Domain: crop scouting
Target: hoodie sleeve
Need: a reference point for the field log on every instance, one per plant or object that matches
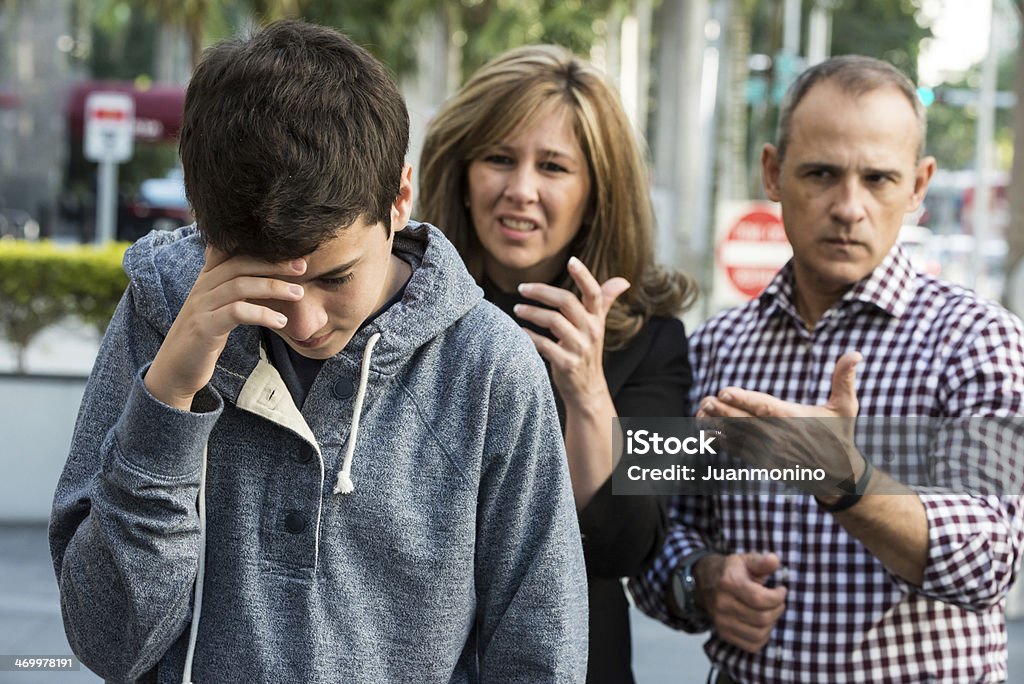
(531, 582)
(124, 530)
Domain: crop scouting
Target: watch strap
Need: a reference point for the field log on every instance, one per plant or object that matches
(850, 499)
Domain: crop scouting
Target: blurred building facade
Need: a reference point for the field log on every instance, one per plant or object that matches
(35, 38)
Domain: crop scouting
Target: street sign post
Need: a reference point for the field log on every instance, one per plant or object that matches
(751, 247)
(109, 140)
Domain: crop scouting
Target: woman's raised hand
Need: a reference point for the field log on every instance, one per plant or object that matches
(578, 325)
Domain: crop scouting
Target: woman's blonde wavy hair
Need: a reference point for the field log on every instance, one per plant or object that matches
(516, 90)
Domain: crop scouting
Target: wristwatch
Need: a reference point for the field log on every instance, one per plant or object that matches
(852, 494)
(684, 590)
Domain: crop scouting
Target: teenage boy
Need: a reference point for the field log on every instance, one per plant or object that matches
(309, 451)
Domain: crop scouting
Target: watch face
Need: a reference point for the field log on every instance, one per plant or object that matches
(679, 591)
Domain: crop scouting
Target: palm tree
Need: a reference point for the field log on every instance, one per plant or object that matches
(189, 15)
(192, 15)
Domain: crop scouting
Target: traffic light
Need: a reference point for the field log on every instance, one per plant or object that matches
(926, 96)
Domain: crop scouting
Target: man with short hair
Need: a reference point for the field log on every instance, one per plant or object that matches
(859, 586)
(308, 450)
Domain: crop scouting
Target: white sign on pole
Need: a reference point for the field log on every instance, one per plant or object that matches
(109, 127)
(109, 139)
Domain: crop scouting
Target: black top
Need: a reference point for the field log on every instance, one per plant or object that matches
(650, 376)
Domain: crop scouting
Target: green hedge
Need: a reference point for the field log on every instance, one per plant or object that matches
(42, 283)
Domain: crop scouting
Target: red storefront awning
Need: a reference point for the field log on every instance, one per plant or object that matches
(158, 108)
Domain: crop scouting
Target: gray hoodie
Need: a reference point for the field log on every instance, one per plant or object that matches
(456, 558)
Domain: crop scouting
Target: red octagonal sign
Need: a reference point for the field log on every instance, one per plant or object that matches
(753, 250)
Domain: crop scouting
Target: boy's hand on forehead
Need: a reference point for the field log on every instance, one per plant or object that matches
(230, 291)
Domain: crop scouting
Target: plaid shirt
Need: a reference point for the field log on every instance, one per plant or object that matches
(930, 349)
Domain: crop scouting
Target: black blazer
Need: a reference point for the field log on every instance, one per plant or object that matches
(621, 535)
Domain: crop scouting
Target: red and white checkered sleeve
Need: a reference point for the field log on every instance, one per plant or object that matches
(976, 512)
(986, 374)
(974, 548)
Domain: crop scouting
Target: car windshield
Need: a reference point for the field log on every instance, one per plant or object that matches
(164, 192)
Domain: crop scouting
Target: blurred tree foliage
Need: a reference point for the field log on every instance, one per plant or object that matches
(952, 129)
(126, 35)
(123, 43)
(886, 29)
(492, 26)
(189, 15)
(387, 28)
(480, 28)
(125, 31)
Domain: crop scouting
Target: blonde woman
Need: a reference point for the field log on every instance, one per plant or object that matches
(534, 173)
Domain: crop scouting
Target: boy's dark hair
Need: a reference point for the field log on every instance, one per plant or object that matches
(287, 137)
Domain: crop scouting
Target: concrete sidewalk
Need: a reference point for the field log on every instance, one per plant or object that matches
(30, 623)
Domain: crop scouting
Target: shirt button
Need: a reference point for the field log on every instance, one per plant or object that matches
(343, 389)
(295, 522)
(303, 455)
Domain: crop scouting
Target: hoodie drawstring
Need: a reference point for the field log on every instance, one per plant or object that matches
(186, 675)
(344, 484)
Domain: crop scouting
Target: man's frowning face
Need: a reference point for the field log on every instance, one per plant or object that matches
(849, 175)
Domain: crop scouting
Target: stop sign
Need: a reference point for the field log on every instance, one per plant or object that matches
(752, 250)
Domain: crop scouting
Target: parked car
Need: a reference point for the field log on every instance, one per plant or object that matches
(159, 205)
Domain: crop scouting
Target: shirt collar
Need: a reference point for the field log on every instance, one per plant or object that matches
(890, 287)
